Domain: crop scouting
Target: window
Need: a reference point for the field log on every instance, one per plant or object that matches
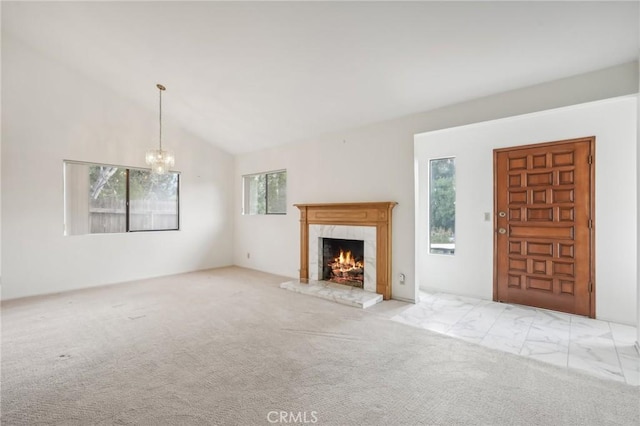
(265, 193)
(442, 206)
(102, 198)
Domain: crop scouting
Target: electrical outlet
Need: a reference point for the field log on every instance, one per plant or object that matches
(248, 255)
(402, 278)
(487, 216)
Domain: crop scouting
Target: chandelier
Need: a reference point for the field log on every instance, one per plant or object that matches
(160, 160)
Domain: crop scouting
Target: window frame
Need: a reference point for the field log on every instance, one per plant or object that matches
(429, 196)
(128, 229)
(246, 211)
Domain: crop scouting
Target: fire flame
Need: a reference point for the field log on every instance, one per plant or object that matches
(345, 269)
(346, 262)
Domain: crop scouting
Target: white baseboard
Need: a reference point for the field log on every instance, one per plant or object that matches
(402, 299)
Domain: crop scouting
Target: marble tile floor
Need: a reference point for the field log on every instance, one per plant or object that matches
(600, 348)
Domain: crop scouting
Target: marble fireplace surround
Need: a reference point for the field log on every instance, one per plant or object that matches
(370, 222)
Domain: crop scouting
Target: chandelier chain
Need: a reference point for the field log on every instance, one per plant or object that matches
(160, 160)
(160, 91)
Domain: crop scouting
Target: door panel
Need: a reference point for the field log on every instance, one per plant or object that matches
(544, 225)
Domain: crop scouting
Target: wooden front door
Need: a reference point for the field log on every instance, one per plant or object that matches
(543, 243)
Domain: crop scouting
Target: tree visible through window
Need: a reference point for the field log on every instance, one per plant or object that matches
(153, 201)
(265, 193)
(105, 199)
(442, 206)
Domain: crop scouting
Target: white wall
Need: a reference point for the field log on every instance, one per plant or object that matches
(51, 113)
(0, 161)
(375, 163)
(470, 272)
(638, 180)
(351, 167)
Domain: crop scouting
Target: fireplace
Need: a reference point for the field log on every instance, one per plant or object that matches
(342, 261)
(368, 222)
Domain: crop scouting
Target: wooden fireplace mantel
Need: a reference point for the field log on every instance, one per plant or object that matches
(376, 214)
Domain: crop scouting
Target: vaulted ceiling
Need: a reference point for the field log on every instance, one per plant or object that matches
(245, 76)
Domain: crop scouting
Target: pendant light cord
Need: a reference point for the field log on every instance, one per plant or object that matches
(160, 117)
(160, 160)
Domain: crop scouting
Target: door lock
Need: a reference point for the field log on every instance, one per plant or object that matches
(502, 214)
(502, 231)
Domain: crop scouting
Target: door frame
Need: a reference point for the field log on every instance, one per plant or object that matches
(592, 212)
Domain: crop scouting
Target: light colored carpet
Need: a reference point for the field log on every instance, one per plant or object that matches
(227, 347)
